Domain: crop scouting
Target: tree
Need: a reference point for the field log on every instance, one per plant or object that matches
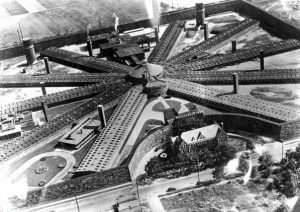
(243, 164)
(283, 208)
(265, 161)
(289, 183)
(218, 172)
(153, 167)
(254, 172)
(223, 153)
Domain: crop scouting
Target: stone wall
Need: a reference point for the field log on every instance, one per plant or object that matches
(80, 37)
(290, 130)
(143, 148)
(273, 20)
(235, 121)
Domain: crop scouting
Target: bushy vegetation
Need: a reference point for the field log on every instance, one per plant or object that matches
(177, 164)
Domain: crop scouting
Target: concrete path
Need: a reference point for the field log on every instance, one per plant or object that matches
(155, 204)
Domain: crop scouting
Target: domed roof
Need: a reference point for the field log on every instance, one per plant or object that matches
(151, 70)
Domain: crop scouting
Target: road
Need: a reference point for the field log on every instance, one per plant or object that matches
(125, 194)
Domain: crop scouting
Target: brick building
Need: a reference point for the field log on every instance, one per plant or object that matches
(192, 141)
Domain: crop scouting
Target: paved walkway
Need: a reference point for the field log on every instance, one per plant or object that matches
(155, 204)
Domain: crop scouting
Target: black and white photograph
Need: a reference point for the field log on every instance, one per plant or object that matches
(149, 105)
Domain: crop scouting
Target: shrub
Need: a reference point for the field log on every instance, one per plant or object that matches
(283, 208)
(254, 172)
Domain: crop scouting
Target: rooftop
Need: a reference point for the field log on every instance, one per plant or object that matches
(203, 133)
(151, 70)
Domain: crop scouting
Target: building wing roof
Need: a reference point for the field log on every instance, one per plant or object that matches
(203, 133)
(129, 50)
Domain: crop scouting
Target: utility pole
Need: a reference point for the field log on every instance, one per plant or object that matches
(198, 170)
(75, 193)
(20, 30)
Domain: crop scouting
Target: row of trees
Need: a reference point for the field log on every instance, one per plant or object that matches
(286, 173)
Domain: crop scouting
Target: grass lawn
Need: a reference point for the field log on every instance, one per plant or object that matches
(159, 107)
(173, 103)
(33, 178)
(231, 196)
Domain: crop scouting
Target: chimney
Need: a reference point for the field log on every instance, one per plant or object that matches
(233, 46)
(46, 61)
(235, 78)
(262, 62)
(29, 50)
(45, 110)
(102, 115)
(205, 31)
(156, 34)
(89, 47)
(42, 84)
(200, 14)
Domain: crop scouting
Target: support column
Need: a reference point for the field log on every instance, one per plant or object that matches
(102, 115)
(89, 47)
(42, 84)
(200, 14)
(45, 110)
(262, 62)
(205, 31)
(46, 61)
(235, 79)
(156, 35)
(233, 46)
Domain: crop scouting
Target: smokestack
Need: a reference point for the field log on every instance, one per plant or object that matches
(235, 78)
(155, 14)
(102, 115)
(156, 35)
(89, 47)
(42, 84)
(45, 110)
(233, 46)
(144, 80)
(46, 61)
(205, 31)
(116, 22)
(262, 62)
(200, 14)
(29, 50)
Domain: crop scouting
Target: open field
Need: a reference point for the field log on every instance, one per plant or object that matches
(231, 196)
(68, 16)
